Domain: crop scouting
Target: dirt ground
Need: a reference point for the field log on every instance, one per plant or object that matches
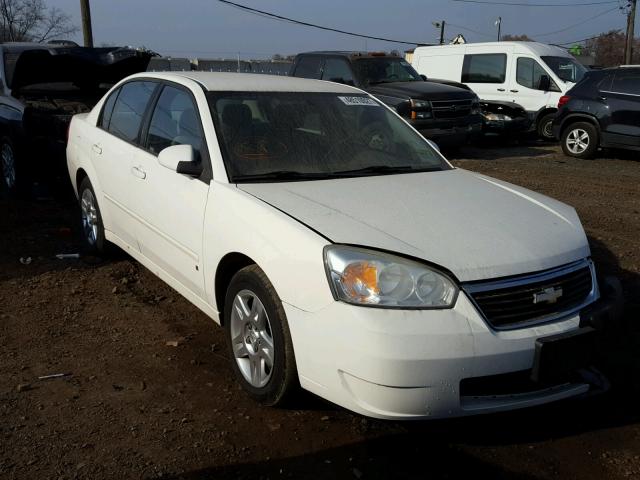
(134, 406)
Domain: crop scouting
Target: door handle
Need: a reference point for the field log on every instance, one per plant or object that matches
(138, 172)
(501, 90)
(602, 98)
(96, 148)
(514, 91)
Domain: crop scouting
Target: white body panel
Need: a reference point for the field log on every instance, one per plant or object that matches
(446, 62)
(379, 362)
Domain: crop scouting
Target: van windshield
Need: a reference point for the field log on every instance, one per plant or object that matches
(290, 136)
(375, 70)
(567, 69)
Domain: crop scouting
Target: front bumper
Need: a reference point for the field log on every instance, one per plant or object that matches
(448, 133)
(411, 364)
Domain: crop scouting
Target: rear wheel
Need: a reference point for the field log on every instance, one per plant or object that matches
(580, 140)
(545, 127)
(8, 168)
(258, 338)
(92, 226)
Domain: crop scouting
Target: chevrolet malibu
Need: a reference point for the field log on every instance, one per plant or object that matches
(339, 250)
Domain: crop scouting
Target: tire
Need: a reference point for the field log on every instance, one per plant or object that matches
(91, 224)
(545, 127)
(261, 350)
(580, 140)
(8, 169)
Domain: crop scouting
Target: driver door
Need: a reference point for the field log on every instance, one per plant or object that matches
(170, 206)
(526, 84)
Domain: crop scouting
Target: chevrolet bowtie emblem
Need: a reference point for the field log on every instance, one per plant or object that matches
(548, 295)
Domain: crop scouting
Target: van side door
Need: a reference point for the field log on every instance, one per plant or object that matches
(487, 74)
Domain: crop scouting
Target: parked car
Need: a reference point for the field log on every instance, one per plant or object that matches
(443, 113)
(41, 87)
(337, 248)
(603, 110)
(529, 74)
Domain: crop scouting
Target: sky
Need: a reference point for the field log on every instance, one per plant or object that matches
(208, 28)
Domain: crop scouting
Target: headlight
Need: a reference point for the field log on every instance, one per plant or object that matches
(420, 105)
(366, 277)
(497, 117)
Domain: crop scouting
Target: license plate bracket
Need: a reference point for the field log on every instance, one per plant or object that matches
(557, 356)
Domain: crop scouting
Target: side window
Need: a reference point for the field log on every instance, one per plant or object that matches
(107, 110)
(175, 121)
(627, 81)
(129, 108)
(337, 70)
(484, 68)
(309, 67)
(529, 72)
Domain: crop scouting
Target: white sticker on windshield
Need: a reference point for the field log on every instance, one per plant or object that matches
(359, 101)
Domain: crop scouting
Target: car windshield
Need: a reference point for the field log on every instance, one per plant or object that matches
(282, 136)
(374, 70)
(567, 69)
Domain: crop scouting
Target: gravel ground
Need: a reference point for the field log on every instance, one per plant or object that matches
(135, 405)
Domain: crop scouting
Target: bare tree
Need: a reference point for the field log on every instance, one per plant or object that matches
(32, 21)
(608, 49)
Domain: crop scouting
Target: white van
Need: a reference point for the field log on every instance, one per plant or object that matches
(533, 75)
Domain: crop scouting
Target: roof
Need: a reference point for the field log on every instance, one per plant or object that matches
(536, 47)
(351, 54)
(253, 82)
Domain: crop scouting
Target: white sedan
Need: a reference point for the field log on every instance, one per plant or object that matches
(339, 249)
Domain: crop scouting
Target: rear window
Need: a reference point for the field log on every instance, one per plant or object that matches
(129, 109)
(309, 67)
(484, 68)
(627, 81)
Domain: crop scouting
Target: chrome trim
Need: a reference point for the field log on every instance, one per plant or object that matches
(476, 287)
(620, 93)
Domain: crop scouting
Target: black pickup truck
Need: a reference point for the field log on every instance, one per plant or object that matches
(41, 87)
(445, 114)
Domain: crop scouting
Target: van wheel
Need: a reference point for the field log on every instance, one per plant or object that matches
(258, 338)
(545, 127)
(580, 140)
(92, 226)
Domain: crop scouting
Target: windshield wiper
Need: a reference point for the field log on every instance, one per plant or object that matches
(280, 175)
(384, 169)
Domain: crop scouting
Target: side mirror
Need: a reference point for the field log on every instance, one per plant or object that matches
(545, 83)
(434, 145)
(423, 77)
(180, 159)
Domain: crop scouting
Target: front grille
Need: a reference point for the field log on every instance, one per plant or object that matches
(534, 298)
(443, 109)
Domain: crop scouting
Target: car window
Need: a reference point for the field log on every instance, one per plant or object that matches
(129, 109)
(484, 68)
(627, 81)
(107, 110)
(374, 70)
(174, 121)
(337, 70)
(309, 67)
(529, 72)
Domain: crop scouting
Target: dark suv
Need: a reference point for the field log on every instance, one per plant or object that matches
(443, 113)
(602, 110)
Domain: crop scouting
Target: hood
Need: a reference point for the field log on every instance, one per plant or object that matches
(474, 226)
(421, 90)
(84, 67)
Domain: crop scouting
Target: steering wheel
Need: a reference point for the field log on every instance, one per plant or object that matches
(376, 137)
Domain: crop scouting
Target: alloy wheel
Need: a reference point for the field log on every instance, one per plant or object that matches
(252, 338)
(578, 141)
(8, 165)
(89, 216)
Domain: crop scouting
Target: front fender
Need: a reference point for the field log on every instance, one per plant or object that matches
(289, 253)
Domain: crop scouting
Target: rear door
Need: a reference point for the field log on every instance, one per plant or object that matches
(115, 143)
(169, 206)
(623, 99)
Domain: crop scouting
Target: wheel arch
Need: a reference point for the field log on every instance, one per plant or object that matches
(543, 112)
(228, 266)
(579, 117)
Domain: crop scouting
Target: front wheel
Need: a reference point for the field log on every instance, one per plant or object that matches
(545, 127)
(8, 168)
(580, 140)
(258, 338)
